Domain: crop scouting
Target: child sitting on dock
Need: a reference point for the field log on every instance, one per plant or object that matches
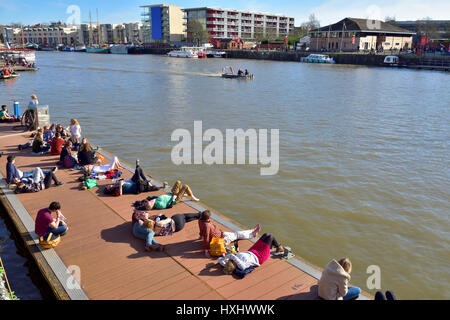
(246, 261)
(46, 224)
(333, 284)
(5, 117)
(208, 230)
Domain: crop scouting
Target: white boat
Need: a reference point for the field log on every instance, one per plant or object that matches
(184, 52)
(391, 61)
(215, 54)
(119, 49)
(28, 56)
(81, 48)
(317, 58)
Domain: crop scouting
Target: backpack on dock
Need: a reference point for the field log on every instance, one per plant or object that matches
(51, 242)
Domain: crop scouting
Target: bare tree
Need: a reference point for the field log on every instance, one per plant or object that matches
(197, 32)
(427, 28)
(312, 22)
(390, 19)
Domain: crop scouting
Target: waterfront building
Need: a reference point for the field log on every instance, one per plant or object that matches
(48, 36)
(163, 23)
(354, 34)
(246, 25)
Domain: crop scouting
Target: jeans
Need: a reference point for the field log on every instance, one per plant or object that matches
(144, 233)
(61, 229)
(352, 293)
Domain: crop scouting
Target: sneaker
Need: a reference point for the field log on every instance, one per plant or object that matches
(280, 249)
(148, 248)
(59, 183)
(54, 169)
(1, 154)
(20, 147)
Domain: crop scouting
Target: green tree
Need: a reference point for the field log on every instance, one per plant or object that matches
(197, 32)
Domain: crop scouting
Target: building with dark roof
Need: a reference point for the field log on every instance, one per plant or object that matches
(354, 34)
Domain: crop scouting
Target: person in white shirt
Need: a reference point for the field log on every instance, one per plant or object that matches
(75, 132)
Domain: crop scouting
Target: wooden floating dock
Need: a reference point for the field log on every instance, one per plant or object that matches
(113, 263)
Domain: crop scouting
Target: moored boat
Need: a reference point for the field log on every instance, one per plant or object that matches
(184, 52)
(119, 49)
(317, 58)
(391, 61)
(81, 48)
(10, 76)
(97, 50)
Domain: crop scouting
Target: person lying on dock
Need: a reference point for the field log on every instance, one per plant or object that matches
(145, 231)
(111, 166)
(208, 230)
(46, 224)
(177, 193)
(39, 180)
(333, 284)
(15, 176)
(164, 226)
(246, 261)
(5, 117)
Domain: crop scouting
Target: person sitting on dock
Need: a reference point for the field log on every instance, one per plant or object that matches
(208, 230)
(46, 224)
(5, 117)
(29, 144)
(39, 145)
(246, 261)
(56, 146)
(47, 134)
(86, 156)
(59, 128)
(333, 284)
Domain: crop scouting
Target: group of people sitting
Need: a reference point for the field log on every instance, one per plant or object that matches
(7, 72)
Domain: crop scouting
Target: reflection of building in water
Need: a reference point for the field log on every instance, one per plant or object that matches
(352, 34)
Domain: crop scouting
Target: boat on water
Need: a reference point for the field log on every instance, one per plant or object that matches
(47, 49)
(81, 48)
(119, 49)
(317, 58)
(10, 76)
(228, 73)
(391, 61)
(184, 52)
(215, 54)
(28, 56)
(97, 50)
(68, 49)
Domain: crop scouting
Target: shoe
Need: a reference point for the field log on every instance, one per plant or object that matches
(280, 249)
(59, 183)
(20, 147)
(148, 248)
(54, 169)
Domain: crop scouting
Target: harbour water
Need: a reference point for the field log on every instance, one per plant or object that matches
(364, 155)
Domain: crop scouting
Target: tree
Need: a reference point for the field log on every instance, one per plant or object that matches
(427, 28)
(390, 19)
(312, 22)
(197, 32)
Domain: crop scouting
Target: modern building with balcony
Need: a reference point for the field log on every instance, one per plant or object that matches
(246, 25)
(163, 23)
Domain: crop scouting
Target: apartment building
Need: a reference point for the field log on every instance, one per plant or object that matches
(44, 35)
(163, 23)
(246, 25)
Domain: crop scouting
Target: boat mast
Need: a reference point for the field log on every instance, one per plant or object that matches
(23, 46)
(98, 30)
(90, 29)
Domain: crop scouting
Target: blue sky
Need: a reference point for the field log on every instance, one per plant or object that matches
(327, 11)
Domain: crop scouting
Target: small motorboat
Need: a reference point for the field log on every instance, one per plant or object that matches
(391, 61)
(10, 76)
(228, 73)
(317, 58)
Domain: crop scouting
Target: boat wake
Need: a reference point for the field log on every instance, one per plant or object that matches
(198, 74)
